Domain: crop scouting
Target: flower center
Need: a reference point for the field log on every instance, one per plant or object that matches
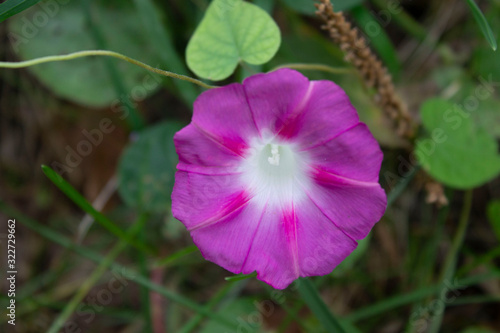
(275, 157)
(275, 172)
(277, 161)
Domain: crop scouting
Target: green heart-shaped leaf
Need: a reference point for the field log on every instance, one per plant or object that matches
(231, 31)
(456, 152)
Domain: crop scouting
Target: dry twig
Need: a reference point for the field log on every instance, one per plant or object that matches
(373, 72)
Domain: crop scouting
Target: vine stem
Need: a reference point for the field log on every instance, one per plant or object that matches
(106, 53)
(449, 266)
(317, 67)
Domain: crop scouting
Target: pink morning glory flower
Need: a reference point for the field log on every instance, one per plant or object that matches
(277, 175)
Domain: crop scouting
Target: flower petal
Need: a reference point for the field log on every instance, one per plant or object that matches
(326, 114)
(223, 115)
(354, 154)
(227, 242)
(199, 154)
(321, 244)
(354, 207)
(274, 97)
(273, 253)
(254, 239)
(200, 200)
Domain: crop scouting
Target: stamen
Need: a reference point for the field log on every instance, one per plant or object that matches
(275, 158)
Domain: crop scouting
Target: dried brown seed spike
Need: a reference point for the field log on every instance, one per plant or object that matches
(372, 70)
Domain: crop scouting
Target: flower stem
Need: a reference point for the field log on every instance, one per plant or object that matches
(87, 53)
(317, 67)
(311, 297)
(451, 259)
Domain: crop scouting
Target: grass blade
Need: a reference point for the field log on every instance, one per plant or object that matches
(176, 256)
(313, 300)
(240, 277)
(126, 272)
(228, 290)
(378, 39)
(450, 264)
(80, 201)
(483, 24)
(94, 278)
(12, 7)
(144, 292)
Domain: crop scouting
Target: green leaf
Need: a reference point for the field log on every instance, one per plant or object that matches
(80, 201)
(483, 24)
(164, 47)
(456, 152)
(231, 31)
(307, 6)
(147, 167)
(85, 81)
(469, 92)
(12, 7)
(493, 212)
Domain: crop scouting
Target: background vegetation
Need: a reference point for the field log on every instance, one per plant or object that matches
(98, 249)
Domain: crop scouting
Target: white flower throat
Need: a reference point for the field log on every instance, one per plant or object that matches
(275, 172)
(275, 157)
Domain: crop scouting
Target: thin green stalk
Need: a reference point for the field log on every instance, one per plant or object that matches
(428, 260)
(145, 299)
(483, 24)
(175, 256)
(127, 273)
(311, 297)
(228, 288)
(451, 259)
(317, 67)
(94, 277)
(106, 53)
(305, 326)
(414, 296)
(403, 19)
(290, 317)
(401, 185)
(481, 260)
(241, 277)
